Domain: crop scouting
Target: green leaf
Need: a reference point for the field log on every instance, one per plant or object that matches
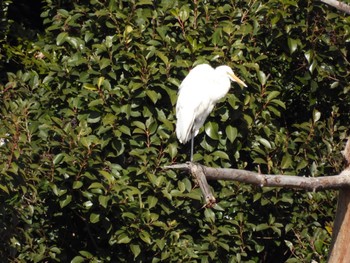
(89, 140)
(152, 201)
(248, 119)
(184, 13)
(256, 197)
(58, 158)
(78, 259)
(286, 161)
(223, 245)
(308, 55)
(209, 215)
(221, 155)
(145, 236)
(162, 56)
(265, 142)
(262, 78)
(125, 129)
(316, 115)
(313, 66)
(105, 62)
(139, 124)
(302, 164)
(273, 94)
(61, 38)
(4, 188)
(107, 176)
(135, 249)
(231, 133)
(89, 86)
(279, 103)
(66, 201)
(172, 149)
(77, 184)
(212, 130)
(154, 96)
(123, 239)
(259, 160)
(94, 218)
(262, 227)
(96, 185)
(259, 248)
(103, 200)
(86, 254)
(292, 44)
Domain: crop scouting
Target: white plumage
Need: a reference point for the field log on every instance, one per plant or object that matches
(201, 89)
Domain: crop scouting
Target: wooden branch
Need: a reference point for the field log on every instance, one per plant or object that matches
(339, 251)
(338, 5)
(201, 179)
(198, 173)
(289, 181)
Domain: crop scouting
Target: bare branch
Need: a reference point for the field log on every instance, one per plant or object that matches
(289, 181)
(340, 181)
(198, 172)
(338, 5)
(339, 250)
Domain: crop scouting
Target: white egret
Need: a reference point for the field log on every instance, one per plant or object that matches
(201, 89)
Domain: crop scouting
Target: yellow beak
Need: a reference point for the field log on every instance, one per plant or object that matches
(238, 80)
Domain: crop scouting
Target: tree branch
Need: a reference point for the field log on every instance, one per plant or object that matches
(198, 172)
(290, 181)
(203, 173)
(338, 5)
(339, 251)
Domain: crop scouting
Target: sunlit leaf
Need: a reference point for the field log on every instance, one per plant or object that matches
(212, 130)
(231, 133)
(94, 218)
(61, 38)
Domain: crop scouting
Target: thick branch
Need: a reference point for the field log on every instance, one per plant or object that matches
(290, 181)
(199, 174)
(339, 251)
(338, 5)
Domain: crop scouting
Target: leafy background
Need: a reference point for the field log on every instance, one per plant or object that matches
(88, 90)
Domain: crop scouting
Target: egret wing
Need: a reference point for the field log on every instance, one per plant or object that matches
(194, 103)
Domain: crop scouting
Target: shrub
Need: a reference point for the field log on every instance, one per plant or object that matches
(88, 119)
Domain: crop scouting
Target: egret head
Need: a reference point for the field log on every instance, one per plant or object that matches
(229, 72)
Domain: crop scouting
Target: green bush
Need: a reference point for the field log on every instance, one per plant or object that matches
(88, 119)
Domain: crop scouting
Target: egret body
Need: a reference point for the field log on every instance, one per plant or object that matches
(201, 89)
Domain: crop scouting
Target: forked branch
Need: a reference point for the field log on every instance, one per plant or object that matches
(289, 181)
(339, 251)
(340, 181)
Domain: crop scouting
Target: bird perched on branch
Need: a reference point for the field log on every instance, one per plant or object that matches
(201, 89)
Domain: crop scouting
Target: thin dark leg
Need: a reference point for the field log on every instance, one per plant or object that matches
(192, 139)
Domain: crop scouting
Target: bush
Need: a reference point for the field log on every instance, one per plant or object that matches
(88, 119)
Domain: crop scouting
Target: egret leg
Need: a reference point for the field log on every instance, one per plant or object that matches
(192, 142)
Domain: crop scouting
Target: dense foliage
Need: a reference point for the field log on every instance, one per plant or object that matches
(87, 122)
